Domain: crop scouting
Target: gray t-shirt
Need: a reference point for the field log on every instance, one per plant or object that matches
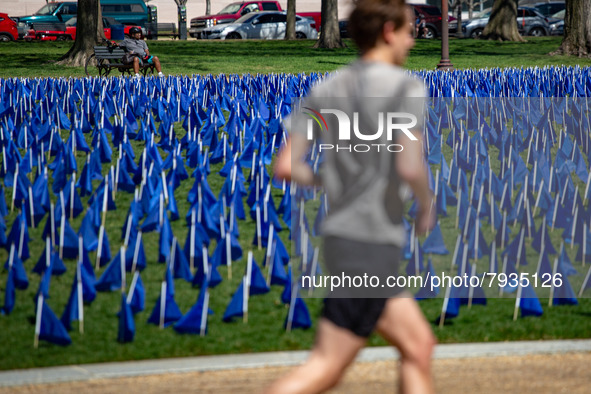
(358, 168)
(136, 46)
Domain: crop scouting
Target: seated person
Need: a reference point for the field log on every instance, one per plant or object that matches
(135, 45)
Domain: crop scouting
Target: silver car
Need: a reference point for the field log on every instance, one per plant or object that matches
(261, 25)
(529, 22)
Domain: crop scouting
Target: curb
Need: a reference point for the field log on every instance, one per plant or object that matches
(272, 359)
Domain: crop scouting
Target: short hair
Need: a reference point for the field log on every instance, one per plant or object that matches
(368, 18)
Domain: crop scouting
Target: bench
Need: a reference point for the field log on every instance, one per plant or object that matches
(57, 30)
(48, 26)
(162, 29)
(106, 58)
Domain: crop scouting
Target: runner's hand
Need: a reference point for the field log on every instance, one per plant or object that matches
(425, 220)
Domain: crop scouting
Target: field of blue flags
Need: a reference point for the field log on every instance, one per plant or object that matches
(103, 179)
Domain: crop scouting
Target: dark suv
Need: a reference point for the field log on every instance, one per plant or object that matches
(550, 8)
(433, 18)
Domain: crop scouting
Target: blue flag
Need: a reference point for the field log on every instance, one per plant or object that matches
(258, 284)
(195, 320)
(180, 264)
(563, 291)
(298, 315)
(137, 295)
(278, 274)
(126, 330)
(51, 328)
(71, 311)
(172, 312)
(9, 294)
(111, 279)
(238, 304)
(21, 281)
(529, 302)
(425, 291)
(434, 243)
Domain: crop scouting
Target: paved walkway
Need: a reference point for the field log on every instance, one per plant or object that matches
(371, 358)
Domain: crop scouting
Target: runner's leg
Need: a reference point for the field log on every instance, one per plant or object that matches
(334, 350)
(403, 324)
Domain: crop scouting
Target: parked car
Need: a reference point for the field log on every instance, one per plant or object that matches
(343, 29)
(550, 8)
(557, 28)
(52, 13)
(8, 30)
(127, 12)
(433, 18)
(47, 32)
(229, 14)
(261, 25)
(529, 23)
(557, 23)
(69, 31)
(232, 12)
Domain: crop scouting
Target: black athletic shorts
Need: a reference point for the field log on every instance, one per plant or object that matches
(358, 315)
(359, 308)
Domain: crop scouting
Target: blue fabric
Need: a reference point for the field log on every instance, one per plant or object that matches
(52, 329)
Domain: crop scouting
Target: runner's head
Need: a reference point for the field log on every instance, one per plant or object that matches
(385, 25)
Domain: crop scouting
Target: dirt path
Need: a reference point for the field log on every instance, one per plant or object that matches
(562, 373)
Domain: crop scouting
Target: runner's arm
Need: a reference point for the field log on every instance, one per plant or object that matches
(290, 164)
(410, 166)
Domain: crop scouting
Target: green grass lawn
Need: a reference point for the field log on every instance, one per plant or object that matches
(22, 59)
(264, 330)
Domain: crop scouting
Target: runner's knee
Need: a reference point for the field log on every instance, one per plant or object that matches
(419, 349)
(329, 372)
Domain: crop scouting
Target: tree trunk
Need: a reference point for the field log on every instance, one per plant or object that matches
(89, 32)
(290, 26)
(459, 32)
(330, 36)
(502, 24)
(207, 7)
(577, 29)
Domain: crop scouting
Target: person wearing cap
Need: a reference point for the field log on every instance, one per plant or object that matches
(135, 45)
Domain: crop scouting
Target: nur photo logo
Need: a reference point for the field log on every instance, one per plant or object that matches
(349, 130)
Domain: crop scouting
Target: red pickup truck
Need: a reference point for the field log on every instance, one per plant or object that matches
(235, 10)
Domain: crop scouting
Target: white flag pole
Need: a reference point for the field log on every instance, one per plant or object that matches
(79, 285)
(471, 289)
(229, 254)
(38, 319)
(585, 281)
(192, 241)
(313, 271)
(444, 307)
(517, 301)
(162, 303)
(550, 299)
(204, 313)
